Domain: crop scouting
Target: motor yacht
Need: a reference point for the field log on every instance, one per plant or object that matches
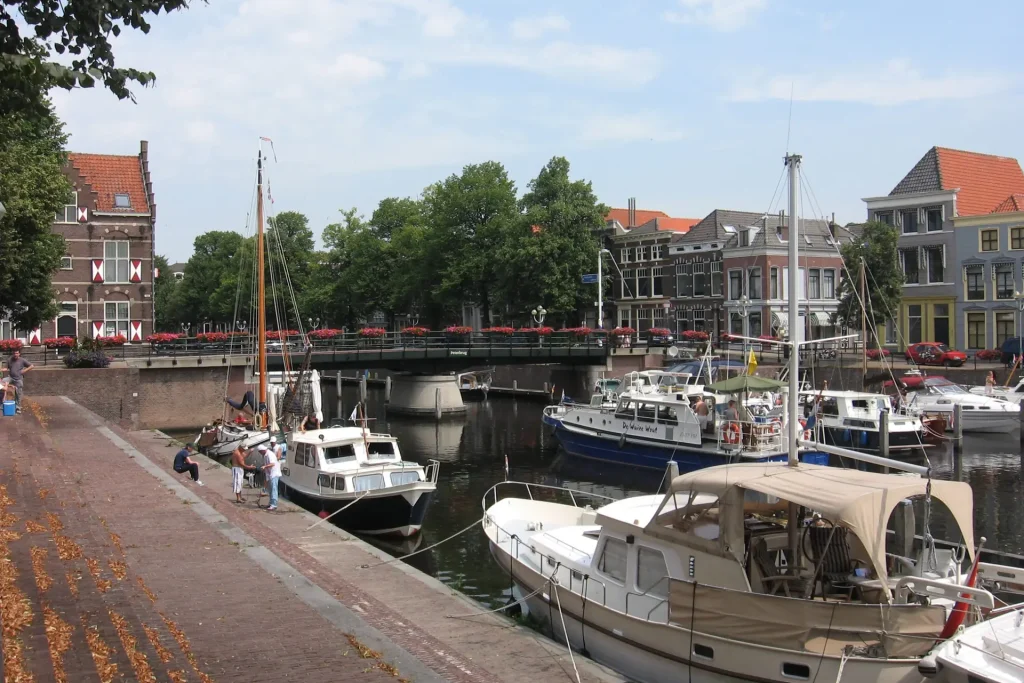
(930, 394)
(852, 419)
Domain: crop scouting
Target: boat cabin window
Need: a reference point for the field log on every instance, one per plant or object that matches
(334, 455)
(626, 410)
(692, 513)
(376, 450)
(829, 406)
(305, 455)
(325, 481)
(613, 559)
(399, 478)
(645, 412)
(667, 415)
(368, 482)
(651, 571)
(339, 483)
(861, 403)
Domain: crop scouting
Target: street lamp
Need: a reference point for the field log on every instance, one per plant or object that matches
(314, 323)
(745, 312)
(538, 317)
(185, 328)
(600, 288)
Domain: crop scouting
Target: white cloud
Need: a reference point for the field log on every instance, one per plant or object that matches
(353, 68)
(896, 82)
(531, 28)
(721, 15)
(642, 127)
(200, 131)
(412, 70)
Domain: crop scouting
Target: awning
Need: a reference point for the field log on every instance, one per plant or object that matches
(821, 319)
(859, 501)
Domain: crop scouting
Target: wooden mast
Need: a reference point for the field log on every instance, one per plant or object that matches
(261, 295)
(863, 324)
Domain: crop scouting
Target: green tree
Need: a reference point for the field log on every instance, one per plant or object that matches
(336, 288)
(553, 245)
(876, 248)
(32, 30)
(468, 217)
(210, 287)
(163, 294)
(289, 252)
(32, 188)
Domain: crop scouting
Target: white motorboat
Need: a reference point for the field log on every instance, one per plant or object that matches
(474, 384)
(605, 395)
(989, 652)
(1013, 394)
(938, 395)
(360, 478)
(852, 419)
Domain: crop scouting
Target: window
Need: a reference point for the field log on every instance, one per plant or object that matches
(884, 217)
(990, 240)
(814, 284)
(67, 319)
(736, 324)
(658, 281)
(699, 318)
(338, 454)
(1004, 280)
(69, 214)
(115, 262)
(683, 321)
(1004, 327)
(735, 284)
(643, 282)
(380, 450)
(651, 571)
(66, 263)
(828, 282)
(641, 254)
(745, 237)
(890, 332)
(909, 220)
(179, 276)
(1016, 238)
(934, 218)
(627, 284)
(716, 278)
(325, 481)
(368, 482)
(656, 251)
(914, 326)
(122, 201)
(400, 478)
(339, 483)
(936, 261)
(684, 279)
(115, 318)
(627, 255)
(910, 265)
(754, 283)
(643, 319)
(700, 280)
(613, 559)
(976, 330)
(975, 281)
(774, 284)
(754, 324)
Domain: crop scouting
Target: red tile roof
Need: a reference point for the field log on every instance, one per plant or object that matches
(109, 174)
(984, 180)
(1015, 202)
(642, 216)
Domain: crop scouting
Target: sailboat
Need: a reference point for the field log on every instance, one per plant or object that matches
(294, 395)
(749, 571)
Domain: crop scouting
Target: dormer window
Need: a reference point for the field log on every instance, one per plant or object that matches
(122, 201)
(745, 238)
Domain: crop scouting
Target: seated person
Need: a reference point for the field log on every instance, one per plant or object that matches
(183, 463)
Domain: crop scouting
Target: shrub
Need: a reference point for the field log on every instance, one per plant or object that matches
(59, 342)
(458, 329)
(163, 337)
(372, 332)
(215, 336)
(111, 340)
(11, 345)
(79, 358)
(623, 331)
(498, 330)
(415, 331)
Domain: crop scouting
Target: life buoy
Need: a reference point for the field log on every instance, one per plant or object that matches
(731, 433)
(257, 421)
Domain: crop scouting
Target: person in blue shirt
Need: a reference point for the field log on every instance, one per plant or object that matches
(183, 463)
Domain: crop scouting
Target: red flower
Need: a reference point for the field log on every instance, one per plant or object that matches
(415, 331)
(372, 332)
(11, 345)
(326, 333)
(659, 331)
(458, 329)
(112, 340)
(162, 337)
(543, 331)
(695, 335)
(214, 336)
(583, 331)
(498, 330)
(279, 334)
(623, 331)
(989, 354)
(59, 342)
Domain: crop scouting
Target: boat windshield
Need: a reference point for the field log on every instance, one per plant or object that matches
(946, 389)
(334, 455)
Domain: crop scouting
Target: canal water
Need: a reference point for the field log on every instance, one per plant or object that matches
(472, 451)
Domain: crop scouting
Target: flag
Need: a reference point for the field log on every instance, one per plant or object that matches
(355, 414)
(751, 363)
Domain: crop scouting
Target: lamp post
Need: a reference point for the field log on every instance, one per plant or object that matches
(600, 289)
(744, 312)
(314, 323)
(538, 318)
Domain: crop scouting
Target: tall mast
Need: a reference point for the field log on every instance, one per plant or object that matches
(795, 331)
(261, 294)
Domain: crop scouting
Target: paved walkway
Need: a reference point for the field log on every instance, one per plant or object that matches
(116, 568)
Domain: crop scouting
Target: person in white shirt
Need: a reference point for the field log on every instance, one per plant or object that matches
(272, 468)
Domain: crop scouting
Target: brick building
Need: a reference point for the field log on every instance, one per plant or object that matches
(105, 282)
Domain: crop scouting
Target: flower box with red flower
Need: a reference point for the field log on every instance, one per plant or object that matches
(581, 332)
(213, 337)
(876, 354)
(11, 345)
(659, 336)
(112, 340)
(768, 338)
(59, 342)
(623, 336)
(536, 331)
(415, 331)
(163, 337)
(277, 335)
(323, 334)
(989, 354)
(458, 334)
(498, 331)
(695, 336)
(372, 332)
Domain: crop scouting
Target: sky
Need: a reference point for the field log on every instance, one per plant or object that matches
(687, 105)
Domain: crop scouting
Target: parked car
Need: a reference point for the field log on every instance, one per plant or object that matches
(1009, 349)
(659, 336)
(934, 353)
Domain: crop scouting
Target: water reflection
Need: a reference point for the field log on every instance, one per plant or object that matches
(472, 449)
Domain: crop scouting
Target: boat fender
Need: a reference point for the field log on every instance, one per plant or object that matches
(622, 441)
(847, 436)
(863, 438)
(928, 666)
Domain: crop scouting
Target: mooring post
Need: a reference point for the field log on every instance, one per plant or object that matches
(671, 473)
(515, 385)
(437, 403)
(337, 383)
(958, 429)
(883, 433)
(362, 388)
(387, 389)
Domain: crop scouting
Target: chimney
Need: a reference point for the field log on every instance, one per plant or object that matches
(632, 213)
(832, 225)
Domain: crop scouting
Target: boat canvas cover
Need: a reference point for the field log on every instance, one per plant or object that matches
(860, 501)
(809, 625)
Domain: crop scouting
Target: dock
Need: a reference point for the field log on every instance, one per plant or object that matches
(116, 567)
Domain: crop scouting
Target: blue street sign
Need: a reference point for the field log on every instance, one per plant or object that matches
(590, 279)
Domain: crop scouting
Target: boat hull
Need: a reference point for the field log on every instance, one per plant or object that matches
(388, 514)
(224, 446)
(867, 441)
(655, 456)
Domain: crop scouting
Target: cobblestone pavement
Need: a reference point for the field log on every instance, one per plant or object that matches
(115, 568)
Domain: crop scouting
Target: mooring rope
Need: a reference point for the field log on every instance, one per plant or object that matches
(417, 552)
(344, 507)
(498, 609)
(554, 589)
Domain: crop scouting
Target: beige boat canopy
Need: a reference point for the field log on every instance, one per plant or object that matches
(860, 501)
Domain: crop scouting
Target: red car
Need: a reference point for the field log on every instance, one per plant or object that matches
(934, 353)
